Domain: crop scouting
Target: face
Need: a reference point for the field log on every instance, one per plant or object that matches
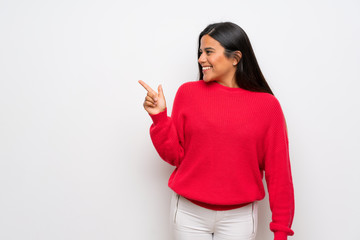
(215, 65)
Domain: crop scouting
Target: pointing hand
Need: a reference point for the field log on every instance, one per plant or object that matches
(154, 102)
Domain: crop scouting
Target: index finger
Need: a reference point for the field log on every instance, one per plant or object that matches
(147, 87)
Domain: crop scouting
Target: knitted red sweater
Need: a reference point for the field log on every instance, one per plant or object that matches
(221, 140)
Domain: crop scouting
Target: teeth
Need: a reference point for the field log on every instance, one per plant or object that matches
(206, 68)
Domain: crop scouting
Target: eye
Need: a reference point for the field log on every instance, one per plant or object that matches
(208, 52)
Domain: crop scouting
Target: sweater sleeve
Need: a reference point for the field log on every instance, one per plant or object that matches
(278, 174)
(167, 133)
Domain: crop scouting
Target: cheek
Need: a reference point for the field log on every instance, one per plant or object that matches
(217, 61)
(212, 61)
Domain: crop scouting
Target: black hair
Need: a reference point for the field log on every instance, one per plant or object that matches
(233, 38)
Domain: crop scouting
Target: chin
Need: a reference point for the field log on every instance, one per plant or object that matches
(207, 80)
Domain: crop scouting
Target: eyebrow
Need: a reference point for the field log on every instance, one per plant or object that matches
(208, 48)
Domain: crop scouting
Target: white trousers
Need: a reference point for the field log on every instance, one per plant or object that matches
(193, 222)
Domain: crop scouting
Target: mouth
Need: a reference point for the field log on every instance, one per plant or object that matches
(204, 69)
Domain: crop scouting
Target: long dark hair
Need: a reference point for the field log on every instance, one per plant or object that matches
(233, 38)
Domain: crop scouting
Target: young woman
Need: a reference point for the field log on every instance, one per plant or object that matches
(224, 132)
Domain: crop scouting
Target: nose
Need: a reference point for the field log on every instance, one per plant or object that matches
(202, 58)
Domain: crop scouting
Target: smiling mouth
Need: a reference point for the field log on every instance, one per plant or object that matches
(205, 68)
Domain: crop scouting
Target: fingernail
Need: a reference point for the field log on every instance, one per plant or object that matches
(155, 99)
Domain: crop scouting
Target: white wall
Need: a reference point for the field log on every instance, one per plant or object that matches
(76, 159)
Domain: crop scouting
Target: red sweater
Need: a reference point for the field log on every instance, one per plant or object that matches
(221, 140)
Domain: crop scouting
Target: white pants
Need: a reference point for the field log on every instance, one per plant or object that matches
(193, 222)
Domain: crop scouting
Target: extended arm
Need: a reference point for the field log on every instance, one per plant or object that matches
(167, 133)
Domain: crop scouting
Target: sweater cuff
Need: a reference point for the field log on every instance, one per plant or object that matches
(159, 117)
(280, 236)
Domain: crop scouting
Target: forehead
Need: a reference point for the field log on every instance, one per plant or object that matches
(207, 41)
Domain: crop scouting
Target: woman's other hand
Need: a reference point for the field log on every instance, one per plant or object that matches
(154, 102)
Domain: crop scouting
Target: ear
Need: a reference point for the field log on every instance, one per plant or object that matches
(237, 57)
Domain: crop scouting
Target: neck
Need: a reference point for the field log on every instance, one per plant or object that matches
(230, 84)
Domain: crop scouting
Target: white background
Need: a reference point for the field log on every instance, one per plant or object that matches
(76, 159)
